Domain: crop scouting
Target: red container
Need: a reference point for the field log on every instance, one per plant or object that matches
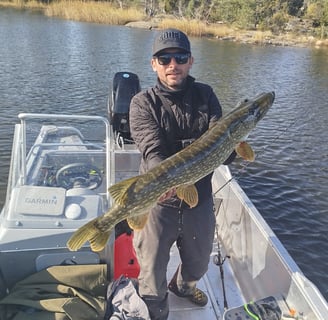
(125, 260)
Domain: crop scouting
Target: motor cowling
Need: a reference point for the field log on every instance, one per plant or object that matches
(125, 86)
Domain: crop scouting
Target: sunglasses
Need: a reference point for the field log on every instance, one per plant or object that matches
(180, 58)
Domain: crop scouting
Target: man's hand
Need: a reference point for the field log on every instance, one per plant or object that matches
(167, 195)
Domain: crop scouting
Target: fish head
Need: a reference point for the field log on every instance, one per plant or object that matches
(248, 113)
(260, 106)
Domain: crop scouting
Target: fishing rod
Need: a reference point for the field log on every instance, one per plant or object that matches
(219, 260)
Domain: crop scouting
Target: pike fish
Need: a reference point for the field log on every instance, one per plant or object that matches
(134, 197)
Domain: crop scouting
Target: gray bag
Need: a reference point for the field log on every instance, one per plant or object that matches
(123, 301)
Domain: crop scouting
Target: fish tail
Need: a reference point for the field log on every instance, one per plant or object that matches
(88, 232)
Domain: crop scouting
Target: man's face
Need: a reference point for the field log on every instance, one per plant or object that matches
(173, 74)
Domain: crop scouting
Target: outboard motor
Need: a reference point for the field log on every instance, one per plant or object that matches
(125, 86)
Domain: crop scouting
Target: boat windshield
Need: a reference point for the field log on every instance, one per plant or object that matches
(55, 154)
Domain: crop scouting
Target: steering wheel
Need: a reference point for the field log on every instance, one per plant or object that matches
(79, 175)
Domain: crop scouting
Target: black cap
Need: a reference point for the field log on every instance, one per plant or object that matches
(170, 38)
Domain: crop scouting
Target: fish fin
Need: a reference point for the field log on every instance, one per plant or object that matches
(245, 151)
(99, 242)
(189, 194)
(137, 222)
(119, 191)
(88, 232)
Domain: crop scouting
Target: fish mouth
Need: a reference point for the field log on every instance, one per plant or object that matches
(262, 104)
(272, 96)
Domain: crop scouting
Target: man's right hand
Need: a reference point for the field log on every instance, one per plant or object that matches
(167, 195)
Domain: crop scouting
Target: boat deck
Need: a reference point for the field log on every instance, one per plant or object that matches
(259, 266)
(211, 284)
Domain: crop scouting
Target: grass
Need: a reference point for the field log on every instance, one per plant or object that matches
(98, 12)
(79, 10)
(196, 27)
(21, 4)
(220, 31)
(223, 31)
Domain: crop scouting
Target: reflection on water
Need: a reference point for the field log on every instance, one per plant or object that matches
(56, 66)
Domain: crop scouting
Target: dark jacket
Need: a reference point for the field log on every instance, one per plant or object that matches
(158, 136)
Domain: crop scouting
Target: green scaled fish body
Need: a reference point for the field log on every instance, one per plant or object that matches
(135, 196)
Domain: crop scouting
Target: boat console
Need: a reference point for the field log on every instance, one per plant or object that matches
(61, 169)
(58, 181)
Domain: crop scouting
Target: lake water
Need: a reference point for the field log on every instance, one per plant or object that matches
(58, 66)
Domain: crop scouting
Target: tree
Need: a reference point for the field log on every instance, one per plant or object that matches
(318, 12)
(294, 7)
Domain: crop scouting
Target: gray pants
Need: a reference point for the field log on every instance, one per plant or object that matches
(153, 243)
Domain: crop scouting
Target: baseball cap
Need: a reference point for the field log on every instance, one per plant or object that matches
(170, 38)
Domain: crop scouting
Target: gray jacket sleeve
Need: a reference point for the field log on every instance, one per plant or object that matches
(146, 132)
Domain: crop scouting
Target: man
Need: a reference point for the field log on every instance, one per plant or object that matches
(163, 120)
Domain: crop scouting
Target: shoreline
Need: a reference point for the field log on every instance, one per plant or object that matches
(249, 36)
(220, 32)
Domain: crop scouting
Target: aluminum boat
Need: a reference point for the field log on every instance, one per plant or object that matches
(61, 168)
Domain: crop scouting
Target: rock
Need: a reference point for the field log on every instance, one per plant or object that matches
(141, 24)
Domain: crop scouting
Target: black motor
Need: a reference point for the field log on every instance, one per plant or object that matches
(125, 86)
